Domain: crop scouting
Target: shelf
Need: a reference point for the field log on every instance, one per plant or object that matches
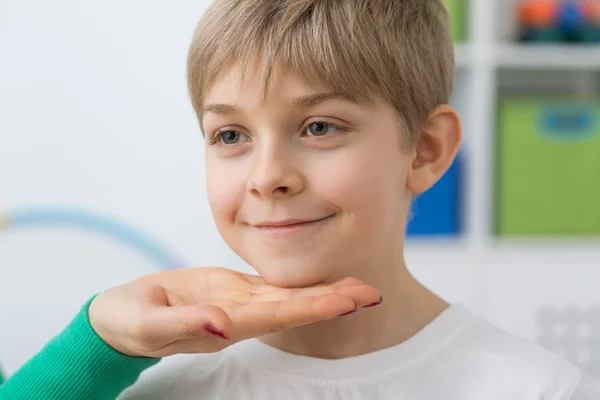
(547, 57)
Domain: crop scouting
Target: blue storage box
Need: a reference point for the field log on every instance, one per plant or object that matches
(437, 212)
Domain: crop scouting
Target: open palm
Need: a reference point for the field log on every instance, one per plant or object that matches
(186, 310)
(257, 308)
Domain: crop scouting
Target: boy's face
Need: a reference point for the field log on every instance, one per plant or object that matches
(304, 191)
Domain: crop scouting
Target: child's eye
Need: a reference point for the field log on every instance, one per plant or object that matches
(320, 128)
(230, 137)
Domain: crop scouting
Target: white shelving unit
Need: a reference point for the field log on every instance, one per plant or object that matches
(531, 57)
(483, 63)
(556, 57)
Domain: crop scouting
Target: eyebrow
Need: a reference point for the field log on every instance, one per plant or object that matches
(304, 102)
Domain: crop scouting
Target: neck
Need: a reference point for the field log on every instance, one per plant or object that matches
(408, 306)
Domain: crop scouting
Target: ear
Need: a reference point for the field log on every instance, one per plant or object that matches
(435, 149)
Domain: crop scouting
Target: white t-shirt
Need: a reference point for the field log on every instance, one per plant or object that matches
(457, 356)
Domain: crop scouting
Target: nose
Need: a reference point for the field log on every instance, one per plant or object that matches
(275, 173)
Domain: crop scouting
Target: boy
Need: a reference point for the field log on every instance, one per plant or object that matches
(323, 119)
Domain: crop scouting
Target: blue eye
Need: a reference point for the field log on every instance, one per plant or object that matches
(320, 128)
(231, 137)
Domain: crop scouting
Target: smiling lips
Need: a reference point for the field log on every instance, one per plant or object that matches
(288, 226)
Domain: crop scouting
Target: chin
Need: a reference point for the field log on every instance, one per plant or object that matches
(300, 262)
(291, 279)
(293, 271)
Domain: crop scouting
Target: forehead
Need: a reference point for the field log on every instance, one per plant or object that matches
(237, 86)
(234, 89)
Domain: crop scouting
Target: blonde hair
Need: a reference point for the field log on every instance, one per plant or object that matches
(397, 50)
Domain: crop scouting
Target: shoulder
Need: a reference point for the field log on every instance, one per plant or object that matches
(507, 364)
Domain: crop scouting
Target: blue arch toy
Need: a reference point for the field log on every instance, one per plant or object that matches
(90, 221)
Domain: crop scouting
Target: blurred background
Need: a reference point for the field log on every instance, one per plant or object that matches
(102, 180)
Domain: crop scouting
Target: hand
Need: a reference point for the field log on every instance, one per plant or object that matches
(204, 310)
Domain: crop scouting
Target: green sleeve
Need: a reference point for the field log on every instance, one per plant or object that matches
(76, 364)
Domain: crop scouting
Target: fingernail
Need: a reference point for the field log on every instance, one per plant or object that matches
(375, 304)
(348, 313)
(216, 331)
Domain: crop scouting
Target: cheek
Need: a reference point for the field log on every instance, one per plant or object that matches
(225, 187)
(368, 186)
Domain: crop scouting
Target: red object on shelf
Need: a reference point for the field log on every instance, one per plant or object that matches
(539, 13)
(591, 10)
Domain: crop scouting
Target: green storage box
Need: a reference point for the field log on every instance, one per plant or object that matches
(458, 19)
(548, 168)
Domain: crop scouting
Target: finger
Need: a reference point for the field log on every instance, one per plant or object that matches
(257, 319)
(260, 287)
(349, 281)
(273, 293)
(361, 294)
(204, 345)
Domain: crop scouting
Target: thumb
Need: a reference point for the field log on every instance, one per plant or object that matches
(171, 324)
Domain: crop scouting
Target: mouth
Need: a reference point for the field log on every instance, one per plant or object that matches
(289, 226)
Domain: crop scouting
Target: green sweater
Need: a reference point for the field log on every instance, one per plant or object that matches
(76, 364)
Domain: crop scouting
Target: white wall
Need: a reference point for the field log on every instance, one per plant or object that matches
(94, 114)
